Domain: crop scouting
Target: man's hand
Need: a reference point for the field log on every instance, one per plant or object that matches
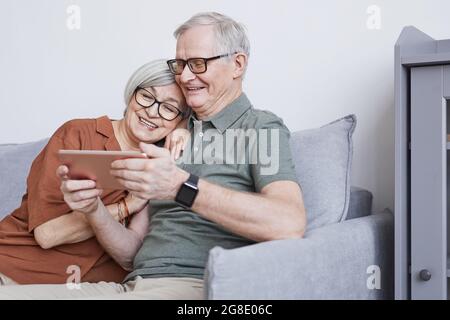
(155, 178)
(80, 195)
(176, 141)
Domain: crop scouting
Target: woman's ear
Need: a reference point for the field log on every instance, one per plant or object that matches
(240, 63)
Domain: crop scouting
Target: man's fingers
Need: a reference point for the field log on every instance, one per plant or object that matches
(167, 143)
(129, 164)
(153, 151)
(173, 151)
(178, 149)
(127, 175)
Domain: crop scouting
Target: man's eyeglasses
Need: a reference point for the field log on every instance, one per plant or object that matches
(165, 110)
(196, 65)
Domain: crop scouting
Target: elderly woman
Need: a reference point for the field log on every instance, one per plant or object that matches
(44, 241)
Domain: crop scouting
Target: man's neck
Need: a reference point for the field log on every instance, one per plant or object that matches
(220, 104)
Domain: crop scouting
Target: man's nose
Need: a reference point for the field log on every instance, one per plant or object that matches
(187, 74)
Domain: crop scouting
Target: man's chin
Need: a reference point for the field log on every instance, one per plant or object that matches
(195, 102)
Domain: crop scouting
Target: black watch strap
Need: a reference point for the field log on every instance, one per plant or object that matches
(188, 192)
(192, 180)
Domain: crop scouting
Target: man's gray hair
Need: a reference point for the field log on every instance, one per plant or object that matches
(155, 73)
(230, 35)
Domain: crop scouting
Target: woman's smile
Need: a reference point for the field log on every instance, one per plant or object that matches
(150, 125)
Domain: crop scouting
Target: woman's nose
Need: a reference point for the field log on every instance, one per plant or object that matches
(152, 111)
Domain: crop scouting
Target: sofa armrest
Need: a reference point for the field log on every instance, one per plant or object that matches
(360, 203)
(329, 263)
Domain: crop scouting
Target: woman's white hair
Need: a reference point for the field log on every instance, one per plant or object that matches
(155, 73)
(230, 35)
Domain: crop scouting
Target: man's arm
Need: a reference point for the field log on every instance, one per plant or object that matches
(275, 213)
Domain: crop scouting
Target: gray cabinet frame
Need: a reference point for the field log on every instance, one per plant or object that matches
(422, 88)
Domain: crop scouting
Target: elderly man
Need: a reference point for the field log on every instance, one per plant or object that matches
(206, 199)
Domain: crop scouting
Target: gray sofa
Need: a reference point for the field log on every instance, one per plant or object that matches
(347, 252)
(331, 262)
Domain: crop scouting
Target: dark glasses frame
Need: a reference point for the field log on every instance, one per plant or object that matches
(158, 104)
(190, 60)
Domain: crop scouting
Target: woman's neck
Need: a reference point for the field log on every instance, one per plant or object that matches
(122, 136)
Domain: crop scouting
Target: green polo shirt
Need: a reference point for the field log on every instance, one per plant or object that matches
(239, 148)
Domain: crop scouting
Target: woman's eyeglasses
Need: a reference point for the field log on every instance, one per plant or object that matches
(146, 100)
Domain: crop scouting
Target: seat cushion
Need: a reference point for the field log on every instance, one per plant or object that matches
(15, 163)
(323, 158)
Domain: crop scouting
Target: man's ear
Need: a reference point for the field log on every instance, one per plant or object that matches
(240, 62)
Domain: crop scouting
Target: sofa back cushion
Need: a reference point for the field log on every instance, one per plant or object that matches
(15, 163)
(323, 158)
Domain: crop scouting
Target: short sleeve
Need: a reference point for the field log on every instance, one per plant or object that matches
(274, 157)
(44, 198)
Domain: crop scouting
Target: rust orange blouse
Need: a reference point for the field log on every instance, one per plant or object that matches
(21, 258)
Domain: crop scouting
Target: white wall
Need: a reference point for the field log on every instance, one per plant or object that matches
(311, 62)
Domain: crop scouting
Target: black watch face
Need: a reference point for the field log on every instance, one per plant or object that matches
(186, 196)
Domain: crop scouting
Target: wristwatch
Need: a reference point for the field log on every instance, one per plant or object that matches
(188, 191)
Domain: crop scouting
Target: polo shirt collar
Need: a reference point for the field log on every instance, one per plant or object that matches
(228, 115)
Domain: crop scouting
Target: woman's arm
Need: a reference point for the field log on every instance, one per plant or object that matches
(74, 227)
(121, 244)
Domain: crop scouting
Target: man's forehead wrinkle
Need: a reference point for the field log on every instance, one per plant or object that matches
(195, 43)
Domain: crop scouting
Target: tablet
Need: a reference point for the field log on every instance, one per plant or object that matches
(95, 165)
